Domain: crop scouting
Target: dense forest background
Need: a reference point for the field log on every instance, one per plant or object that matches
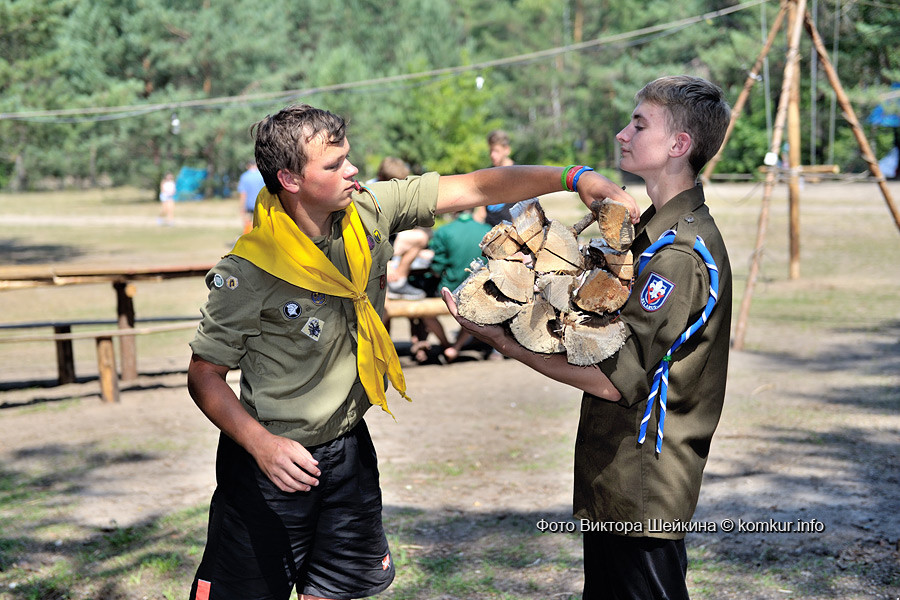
(111, 92)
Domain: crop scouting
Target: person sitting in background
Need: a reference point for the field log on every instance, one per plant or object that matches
(456, 245)
(410, 247)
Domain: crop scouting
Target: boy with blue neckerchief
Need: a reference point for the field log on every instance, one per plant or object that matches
(668, 380)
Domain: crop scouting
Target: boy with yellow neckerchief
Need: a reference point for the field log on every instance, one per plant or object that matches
(296, 307)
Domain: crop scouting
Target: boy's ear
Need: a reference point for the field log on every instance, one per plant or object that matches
(288, 181)
(681, 146)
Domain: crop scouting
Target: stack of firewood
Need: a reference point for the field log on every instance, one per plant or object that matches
(554, 295)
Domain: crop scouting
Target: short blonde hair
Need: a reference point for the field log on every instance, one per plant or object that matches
(694, 106)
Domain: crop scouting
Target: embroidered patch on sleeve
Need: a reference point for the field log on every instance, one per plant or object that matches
(313, 328)
(655, 293)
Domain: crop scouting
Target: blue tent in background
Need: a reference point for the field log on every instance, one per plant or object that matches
(188, 182)
(887, 114)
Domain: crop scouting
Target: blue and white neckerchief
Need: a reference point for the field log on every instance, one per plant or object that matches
(660, 384)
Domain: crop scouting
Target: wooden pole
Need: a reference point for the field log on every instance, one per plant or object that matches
(65, 356)
(745, 93)
(106, 361)
(850, 115)
(125, 293)
(793, 125)
(790, 72)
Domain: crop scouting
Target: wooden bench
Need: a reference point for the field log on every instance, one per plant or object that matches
(415, 309)
(63, 337)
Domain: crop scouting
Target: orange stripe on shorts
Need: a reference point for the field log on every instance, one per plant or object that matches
(202, 590)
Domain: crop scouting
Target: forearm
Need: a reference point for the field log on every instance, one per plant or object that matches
(504, 185)
(215, 398)
(587, 379)
(498, 185)
(555, 366)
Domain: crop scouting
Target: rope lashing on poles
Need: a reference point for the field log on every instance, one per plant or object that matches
(660, 384)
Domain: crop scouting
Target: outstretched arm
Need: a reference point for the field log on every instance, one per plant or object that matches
(501, 185)
(287, 463)
(587, 379)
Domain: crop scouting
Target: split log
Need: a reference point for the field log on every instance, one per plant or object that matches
(501, 241)
(513, 279)
(479, 300)
(615, 225)
(620, 264)
(600, 292)
(588, 344)
(560, 252)
(535, 328)
(557, 290)
(528, 219)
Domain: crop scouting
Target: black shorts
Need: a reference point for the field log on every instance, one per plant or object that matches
(328, 542)
(633, 568)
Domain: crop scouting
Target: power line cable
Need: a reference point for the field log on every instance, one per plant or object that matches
(119, 112)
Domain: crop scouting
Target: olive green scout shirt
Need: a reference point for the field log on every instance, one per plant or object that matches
(615, 478)
(296, 348)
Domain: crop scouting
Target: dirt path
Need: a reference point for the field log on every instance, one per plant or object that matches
(810, 440)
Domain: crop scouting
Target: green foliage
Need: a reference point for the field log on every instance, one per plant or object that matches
(559, 108)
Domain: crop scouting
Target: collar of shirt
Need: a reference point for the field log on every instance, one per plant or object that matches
(654, 223)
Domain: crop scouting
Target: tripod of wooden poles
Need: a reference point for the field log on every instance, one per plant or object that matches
(789, 112)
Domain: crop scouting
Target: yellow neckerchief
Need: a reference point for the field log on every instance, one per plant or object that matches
(276, 245)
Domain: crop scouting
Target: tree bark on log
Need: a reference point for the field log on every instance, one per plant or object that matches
(528, 218)
(501, 241)
(615, 225)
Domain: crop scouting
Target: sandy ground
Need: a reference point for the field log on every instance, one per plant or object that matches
(810, 437)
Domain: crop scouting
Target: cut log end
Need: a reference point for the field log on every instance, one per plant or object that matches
(479, 300)
(588, 345)
(535, 328)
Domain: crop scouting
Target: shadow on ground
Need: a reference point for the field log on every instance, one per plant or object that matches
(14, 252)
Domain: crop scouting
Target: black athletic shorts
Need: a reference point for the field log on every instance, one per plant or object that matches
(633, 568)
(328, 542)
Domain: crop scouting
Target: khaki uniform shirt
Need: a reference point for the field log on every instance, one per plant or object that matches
(617, 480)
(296, 348)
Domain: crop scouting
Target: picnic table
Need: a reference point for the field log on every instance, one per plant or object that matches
(126, 324)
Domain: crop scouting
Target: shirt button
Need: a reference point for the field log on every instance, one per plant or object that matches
(689, 219)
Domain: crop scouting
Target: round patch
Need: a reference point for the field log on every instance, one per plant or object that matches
(377, 235)
(218, 280)
(291, 309)
(318, 298)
